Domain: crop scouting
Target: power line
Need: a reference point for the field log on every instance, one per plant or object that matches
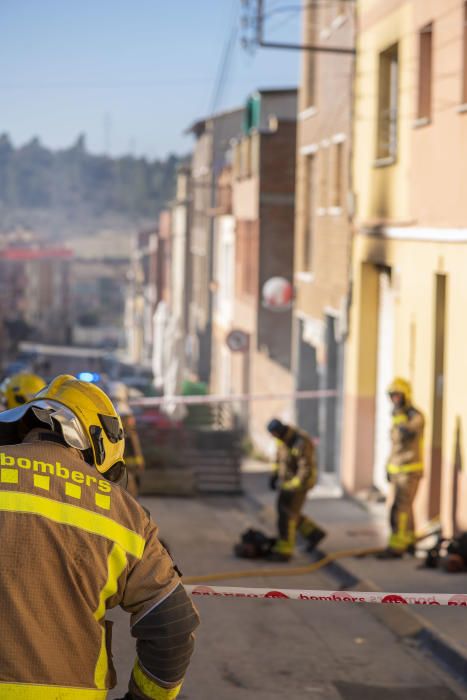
(224, 68)
(225, 63)
(102, 86)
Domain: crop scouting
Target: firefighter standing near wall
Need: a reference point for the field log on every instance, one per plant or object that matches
(404, 469)
(294, 473)
(75, 544)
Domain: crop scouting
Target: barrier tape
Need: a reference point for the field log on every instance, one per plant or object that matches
(227, 398)
(447, 599)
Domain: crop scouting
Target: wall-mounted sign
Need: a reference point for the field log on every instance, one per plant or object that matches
(238, 341)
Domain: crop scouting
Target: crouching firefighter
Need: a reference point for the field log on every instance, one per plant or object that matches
(404, 468)
(294, 473)
(75, 544)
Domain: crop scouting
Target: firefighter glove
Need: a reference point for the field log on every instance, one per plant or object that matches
(273, 479)
(292, 484)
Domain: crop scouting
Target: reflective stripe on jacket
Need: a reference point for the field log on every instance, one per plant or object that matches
(21, 691)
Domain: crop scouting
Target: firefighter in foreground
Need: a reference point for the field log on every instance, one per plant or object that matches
(20, 388)
(294, 473)
(75, 544)
(404, 469)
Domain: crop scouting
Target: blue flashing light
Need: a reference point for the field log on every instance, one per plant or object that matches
(89, 377)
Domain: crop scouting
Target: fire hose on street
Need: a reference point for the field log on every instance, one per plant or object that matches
(278, 571)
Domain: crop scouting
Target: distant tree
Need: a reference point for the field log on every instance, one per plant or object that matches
(78, 185)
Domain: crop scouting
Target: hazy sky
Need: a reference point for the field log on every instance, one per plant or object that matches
(130, 74)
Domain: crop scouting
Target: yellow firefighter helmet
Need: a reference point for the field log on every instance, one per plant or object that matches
(20, 388)
(96, 414)
(401, 386)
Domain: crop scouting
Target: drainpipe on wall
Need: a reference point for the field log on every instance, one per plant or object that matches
(351, 207)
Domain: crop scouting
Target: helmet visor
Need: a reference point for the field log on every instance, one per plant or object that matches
(73, 432)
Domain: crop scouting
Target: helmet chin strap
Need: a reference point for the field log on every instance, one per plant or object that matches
(44, 435)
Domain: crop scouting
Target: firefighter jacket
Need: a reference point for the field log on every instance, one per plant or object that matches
(406, 441)
(296, 461)
(73, 546)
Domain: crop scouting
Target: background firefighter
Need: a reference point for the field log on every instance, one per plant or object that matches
(20, 388)
(134, 459)
(294, 473)
(74, 544)
(405, 467)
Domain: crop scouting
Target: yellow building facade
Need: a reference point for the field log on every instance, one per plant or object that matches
(409, 269)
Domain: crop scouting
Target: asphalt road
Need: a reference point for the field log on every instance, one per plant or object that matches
(266, 649)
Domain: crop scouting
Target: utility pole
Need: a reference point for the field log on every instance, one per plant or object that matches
(260, 41)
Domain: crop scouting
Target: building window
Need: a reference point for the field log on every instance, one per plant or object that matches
(250, 260)
(225, 269)
(337, 191)
(425, 72)
(464, 57)
(246, 258)
(310, 82)
(309, 201)
(386, 147)
(324, 155)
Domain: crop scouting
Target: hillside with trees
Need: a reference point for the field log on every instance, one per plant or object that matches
(72, 192)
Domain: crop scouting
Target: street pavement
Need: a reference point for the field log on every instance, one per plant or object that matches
(266, 649)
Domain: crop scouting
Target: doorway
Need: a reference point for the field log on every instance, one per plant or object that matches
(384, 376)
(307, 410)
(434, 503)
(328, 405)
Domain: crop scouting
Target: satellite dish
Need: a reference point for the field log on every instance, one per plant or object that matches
(277, 294)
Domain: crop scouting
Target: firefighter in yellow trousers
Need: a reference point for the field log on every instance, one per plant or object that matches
(295, 473)
(404, 469)
(74, 545)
